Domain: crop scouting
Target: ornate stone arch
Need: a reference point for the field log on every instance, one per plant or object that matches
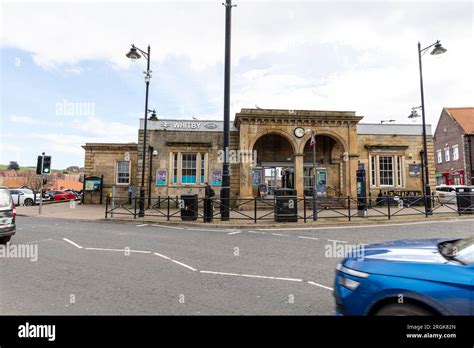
(284, 134)
(335, 136)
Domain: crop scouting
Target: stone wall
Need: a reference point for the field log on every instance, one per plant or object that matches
(166, 142)
(101, 159)
(408, 146)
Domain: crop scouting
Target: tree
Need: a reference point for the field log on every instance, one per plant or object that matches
(13, 165)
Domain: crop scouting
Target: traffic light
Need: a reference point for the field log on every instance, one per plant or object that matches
(46, 165)
(39, 165)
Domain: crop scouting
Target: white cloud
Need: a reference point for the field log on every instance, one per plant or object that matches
(374, 45)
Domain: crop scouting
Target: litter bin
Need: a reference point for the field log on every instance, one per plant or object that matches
(465, 199)
(189, 207)
(286, 209)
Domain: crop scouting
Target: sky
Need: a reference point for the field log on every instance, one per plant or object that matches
(65, 80)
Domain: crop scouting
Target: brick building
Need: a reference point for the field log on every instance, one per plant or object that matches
(454, 146)
(267, 147)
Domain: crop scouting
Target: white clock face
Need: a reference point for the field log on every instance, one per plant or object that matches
(299, 132)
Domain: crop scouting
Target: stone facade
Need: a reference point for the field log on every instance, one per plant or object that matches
(101, 159)
(281, 139)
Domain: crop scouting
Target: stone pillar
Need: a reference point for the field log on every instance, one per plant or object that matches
(245, 180)
(299, 173)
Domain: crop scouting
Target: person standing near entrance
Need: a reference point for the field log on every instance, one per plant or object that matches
(208, 206)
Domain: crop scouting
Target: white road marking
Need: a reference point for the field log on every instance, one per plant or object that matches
(209, 230)
(37, 241)
(267, 277)
(252, 276)
(122, 250)
(321, 286)
(337, 241)
(165, 226)
(184, 265)
(220, 273)
(142, 225)
(256, 232)
(382, 225)
(282, 235)
(163, 256)
(235, 232)
(177, 262)
(307, 237)
(71, 242)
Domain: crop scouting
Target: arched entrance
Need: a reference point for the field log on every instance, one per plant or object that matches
(329, 167)
(274, 165)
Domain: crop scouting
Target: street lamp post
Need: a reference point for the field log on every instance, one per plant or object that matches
(225, 188)
(134, 55)
(438, 49)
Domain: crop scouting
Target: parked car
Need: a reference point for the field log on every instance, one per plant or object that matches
(408, 277)
(61, 195)
(446, 194)
(24, 197)
(76, 194)
(7, 216)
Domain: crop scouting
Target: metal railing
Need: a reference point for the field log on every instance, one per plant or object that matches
(256, 209)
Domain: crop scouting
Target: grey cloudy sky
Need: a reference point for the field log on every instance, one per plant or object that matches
(351, 55)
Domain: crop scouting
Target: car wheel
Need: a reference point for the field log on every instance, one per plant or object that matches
(402, 309)
(28, 202)
(5, 240)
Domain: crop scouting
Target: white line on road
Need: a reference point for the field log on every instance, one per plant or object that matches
(337, 241)
(122, 250)
(220, 273)
(177, 262)
(267, 277)
(282, 235)
(307, 237)
(142, 225)
(259, 232)
(71, 242)
(163, 256)
(37, 241)
(235, 232)
(165, 226)
(184, 265)
(321, 286)
(252, 276)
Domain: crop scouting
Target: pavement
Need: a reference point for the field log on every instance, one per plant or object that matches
(110, 267)
(96, 212)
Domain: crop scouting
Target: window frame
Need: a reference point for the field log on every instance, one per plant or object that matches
(392, 171)
(455, 153)
(117, 172)
(439, 156)
(447, 155)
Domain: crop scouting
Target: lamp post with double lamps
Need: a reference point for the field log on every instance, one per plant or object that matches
(437, 50)
(134, 54)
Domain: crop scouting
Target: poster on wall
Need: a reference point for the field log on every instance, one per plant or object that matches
(216, 177)
(92, 184)
(414, 169)
(161, 177)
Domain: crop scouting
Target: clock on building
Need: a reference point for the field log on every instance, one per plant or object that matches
(299, 132)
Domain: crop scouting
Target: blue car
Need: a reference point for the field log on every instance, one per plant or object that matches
(407, 277)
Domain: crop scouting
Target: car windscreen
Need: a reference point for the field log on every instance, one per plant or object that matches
(461, 250)
(5, 199)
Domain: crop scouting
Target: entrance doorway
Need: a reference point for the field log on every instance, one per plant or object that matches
(272, 176)
(274, 168)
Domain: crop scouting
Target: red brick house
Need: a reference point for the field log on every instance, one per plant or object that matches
(454, 146)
